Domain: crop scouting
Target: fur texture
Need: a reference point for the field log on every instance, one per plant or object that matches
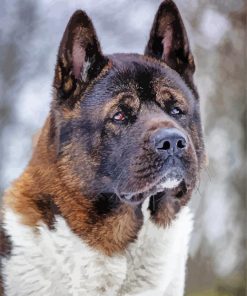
(58, 262)
(101, 208)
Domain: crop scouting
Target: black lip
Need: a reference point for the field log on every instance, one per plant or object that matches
(135, 199)
(139, 197)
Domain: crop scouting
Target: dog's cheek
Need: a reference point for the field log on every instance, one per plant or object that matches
(113, 154)
(196, 135)
(76, 167)
(200, 151)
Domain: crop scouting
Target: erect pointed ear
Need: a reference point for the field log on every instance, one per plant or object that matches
(169, 42)
(79, 59)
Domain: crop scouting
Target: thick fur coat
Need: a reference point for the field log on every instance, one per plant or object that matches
(102, 207)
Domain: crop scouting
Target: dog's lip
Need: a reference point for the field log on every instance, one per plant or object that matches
(169, 181)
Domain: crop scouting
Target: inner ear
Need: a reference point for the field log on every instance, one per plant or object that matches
(169, 42)
(79, 59)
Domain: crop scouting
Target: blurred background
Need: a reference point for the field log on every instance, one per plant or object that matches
(30, 32)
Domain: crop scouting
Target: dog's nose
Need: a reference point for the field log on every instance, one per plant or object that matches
(169, 141)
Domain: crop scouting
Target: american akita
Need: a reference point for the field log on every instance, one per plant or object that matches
(101, 208)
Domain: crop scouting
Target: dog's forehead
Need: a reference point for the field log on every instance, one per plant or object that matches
(131, 66)
(142, 71)
(138, 74)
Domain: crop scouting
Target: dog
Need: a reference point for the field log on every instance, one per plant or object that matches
(102, 207)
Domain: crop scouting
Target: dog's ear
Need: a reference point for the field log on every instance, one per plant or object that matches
(169, 42)
(79, 59)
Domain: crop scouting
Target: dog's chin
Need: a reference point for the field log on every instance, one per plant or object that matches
(173, 179)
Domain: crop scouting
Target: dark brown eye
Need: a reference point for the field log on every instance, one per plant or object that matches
(175, 111)
(120, 117)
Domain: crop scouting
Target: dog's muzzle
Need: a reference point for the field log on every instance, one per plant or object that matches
(170, 145)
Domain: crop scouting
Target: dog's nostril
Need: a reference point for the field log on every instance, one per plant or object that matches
(181, 144)
(166, 145)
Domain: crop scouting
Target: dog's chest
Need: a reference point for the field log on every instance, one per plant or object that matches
(59, 263)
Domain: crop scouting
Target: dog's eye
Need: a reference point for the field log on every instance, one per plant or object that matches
(120, 117)
(175, 111)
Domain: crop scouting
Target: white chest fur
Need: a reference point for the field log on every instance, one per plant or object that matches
(59, 263)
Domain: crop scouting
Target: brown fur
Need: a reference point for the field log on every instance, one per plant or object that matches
(82, 154)
(39, 194)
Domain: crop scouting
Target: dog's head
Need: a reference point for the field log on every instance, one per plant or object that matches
(127, 125)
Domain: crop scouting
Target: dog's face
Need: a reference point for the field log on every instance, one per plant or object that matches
(128, 125)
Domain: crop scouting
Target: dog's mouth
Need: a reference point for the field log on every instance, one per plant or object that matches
(171, 180)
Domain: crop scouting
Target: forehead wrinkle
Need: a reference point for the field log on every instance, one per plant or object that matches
(129, 99)
(166, 93)
(132, 101)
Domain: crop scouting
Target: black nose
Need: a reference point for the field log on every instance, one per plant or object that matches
(169, 141)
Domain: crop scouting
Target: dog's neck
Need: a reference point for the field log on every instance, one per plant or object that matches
(39, 195)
